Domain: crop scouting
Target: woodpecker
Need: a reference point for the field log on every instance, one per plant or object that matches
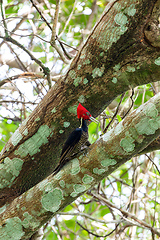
(77, 140)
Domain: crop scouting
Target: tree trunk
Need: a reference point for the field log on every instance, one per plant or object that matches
(122, 52)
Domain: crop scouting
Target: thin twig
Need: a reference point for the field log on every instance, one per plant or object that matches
(62, 56)
(56, 232)
(96, 235)
(14, 119)
(45, 69)
(131, 97)
(154, 91)
(153, 163)
(60, 41)
(40, 13)
(16, 27)
(117, 109)
(155, 205)
(35, 35)
(64, 50)
(17, 59)
(16, 101)
(55, 37)
(125, 213)
(87, 216)
(3, 18)
(69, 18)
(22, 75)
(55, 22)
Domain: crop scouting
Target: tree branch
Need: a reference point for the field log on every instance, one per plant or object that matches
(45, 69)
(55, 192)
(127, 214)
(109, 63)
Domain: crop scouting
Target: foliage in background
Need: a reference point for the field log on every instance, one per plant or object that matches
(134, 186)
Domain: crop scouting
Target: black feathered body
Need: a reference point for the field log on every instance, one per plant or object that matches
(76, 142)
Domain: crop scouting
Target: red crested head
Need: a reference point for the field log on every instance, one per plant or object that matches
(83, 112)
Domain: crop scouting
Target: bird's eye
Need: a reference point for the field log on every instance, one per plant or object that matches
(87, 113)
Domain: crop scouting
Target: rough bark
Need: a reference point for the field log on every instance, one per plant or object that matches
(118, 55)
(36, 206)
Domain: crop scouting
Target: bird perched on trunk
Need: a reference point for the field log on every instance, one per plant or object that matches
(77, 140)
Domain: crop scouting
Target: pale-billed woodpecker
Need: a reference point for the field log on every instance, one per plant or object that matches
(77, 140)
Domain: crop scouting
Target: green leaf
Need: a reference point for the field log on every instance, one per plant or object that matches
(52, 236)
(6, 130)
(37, 48)
(68, 208)
(119, 118)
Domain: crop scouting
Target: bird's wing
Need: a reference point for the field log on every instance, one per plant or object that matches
(68, 148)
(72, 140)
